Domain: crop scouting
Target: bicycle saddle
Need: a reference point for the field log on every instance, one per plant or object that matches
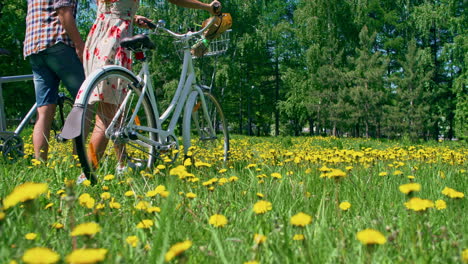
(137, 42)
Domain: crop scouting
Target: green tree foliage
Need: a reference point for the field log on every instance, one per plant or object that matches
(18, 96)
(368, 68)
(366, 93)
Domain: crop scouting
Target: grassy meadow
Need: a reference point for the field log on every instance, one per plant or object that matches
(278, 200)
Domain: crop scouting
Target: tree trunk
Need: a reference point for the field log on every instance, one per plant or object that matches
(277, 132)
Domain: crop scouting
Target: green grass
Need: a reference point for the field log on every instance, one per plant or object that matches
(432, 236)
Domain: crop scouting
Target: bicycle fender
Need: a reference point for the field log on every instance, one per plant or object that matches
(72, 127)
(96, 74)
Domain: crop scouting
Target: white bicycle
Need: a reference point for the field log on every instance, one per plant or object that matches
(130, 125)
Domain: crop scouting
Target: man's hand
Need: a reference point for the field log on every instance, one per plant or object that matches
(79, 48)
(65, 15)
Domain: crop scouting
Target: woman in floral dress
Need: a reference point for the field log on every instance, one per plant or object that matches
(114, 22)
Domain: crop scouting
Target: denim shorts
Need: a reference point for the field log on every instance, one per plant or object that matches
(52, 65)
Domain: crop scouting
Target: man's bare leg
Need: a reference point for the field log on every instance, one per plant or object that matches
(41, 134)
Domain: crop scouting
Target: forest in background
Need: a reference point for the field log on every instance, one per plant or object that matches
(359, 68)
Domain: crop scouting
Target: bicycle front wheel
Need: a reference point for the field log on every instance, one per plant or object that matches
(208, 131)
(115, 125)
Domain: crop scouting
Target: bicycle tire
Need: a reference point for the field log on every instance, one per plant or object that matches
(122, 147)
(208, 143)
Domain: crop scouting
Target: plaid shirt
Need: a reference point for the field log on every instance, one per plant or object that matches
(43, 27)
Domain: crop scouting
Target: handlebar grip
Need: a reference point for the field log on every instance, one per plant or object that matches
(151, 25)
(217, 8)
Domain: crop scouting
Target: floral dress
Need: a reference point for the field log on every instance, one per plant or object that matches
(113, 23)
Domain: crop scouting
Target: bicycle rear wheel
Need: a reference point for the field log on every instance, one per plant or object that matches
(208, 131)
(114, 128)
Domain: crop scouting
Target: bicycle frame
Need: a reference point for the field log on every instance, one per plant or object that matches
(31, 112)
(187, 91)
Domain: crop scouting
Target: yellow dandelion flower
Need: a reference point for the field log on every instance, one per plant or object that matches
(142, 205)
(191, 195)
(151, 193)
(345, 206)
(57, 225)
(440, 204)
(177, 249)
(418, 204)
(49, 205)
(336, 173)
(132, 240)
(260, 195)
(252, 262)
(129, 193)
(100, 206)
(383, 173)
(161, 167)
(87, 256)
(24, 192)
(452, 193)
(105, 188)
(153, 209)
(145, 224)
(465, 256)
(298, 237)
(87, 229)
(105, 195)
(36, 162)
(222, 170)
(371, 237)
(397, 172)
(109, 177)
(87, 183)
(30, 236)
(188, 162)
(409, 188)
(349, 168)
(259, 238)
(251, 166)
(114, 205)
(222, 181)
(218, 220)
(199, 164)
(276, 175)
(86, 200)
(2, 215)
(301, 219)
(233, 179)
(262, 207)
(325, 169)
(40, 255)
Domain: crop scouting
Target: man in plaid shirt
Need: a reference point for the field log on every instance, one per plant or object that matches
(54, 48)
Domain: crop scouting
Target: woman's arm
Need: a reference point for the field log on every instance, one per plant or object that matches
(195, 4)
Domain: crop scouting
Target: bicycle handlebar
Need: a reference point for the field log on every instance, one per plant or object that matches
(186, 36)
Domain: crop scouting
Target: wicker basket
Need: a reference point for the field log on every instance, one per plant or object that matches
(214, 47)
